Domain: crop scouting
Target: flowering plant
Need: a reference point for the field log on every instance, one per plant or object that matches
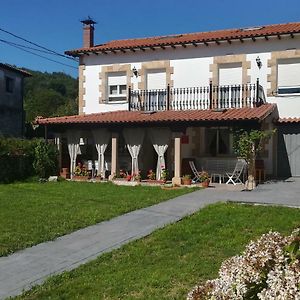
(164, 173)
(81, 170)
(269, 268)
(122, 174)
(204, 176)
(151, 175)
(136, 176)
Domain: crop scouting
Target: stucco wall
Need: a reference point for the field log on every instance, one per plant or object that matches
(192, 67)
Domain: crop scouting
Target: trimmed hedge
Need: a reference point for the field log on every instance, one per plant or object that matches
(17, 158)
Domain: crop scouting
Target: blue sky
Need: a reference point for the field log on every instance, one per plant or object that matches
(55, 23)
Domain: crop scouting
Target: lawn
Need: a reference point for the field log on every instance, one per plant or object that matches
(169, 262)
(31, 213)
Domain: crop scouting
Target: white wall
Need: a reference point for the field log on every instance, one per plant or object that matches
(191, 68)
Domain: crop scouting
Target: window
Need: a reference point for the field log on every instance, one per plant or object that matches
(9, 84)
(117, 87)
(288, 81)
(218, 141)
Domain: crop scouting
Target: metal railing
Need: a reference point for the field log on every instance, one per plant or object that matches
(197, 98)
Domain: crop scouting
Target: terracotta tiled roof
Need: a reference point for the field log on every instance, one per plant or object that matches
(189, 38)
(14, 69)
(289, 120)
(137, 117)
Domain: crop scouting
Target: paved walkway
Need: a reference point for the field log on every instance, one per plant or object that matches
(32, 266)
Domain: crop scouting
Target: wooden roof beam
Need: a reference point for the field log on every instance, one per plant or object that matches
(132, 49)
(195, 44)
(229, 41)
(104, 52)
(206, 44)
(241, 40)
(279, 36)
(183, 45)
(141, 48)
(266, 38)
(152, 48)
(163, 47)
(122, 50)
(292, 35)
(253, 39)
(217, 42)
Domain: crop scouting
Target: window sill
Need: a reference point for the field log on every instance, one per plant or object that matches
(116, 102)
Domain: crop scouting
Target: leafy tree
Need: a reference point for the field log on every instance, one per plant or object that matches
(50, 94)
(247, 145)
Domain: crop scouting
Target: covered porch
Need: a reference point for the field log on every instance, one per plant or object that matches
(133, 142)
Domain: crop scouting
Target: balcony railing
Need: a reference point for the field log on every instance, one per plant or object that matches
(197, 98)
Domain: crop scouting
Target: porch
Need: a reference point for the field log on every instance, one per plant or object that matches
(136, 142)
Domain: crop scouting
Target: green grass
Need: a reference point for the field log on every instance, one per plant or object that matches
(31, 213)
(169, 262)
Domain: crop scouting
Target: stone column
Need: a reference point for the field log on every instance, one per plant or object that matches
(114, 155)
(176, 180)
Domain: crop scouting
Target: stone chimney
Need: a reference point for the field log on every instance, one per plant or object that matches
(88, 32)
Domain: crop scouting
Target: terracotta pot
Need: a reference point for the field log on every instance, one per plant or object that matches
(186, 181)
(205, 183)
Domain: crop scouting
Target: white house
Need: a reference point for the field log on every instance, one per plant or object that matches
(176, 98)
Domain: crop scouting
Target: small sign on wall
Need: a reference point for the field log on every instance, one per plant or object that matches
(184, 139)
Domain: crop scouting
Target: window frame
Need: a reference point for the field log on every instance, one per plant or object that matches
(9, 84)
(118, 97)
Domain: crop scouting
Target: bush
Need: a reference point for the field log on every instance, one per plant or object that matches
(268, 269)
(17, 157)
(45, 159)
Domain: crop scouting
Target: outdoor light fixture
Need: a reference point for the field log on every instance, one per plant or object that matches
(135, 72)
(258, 62)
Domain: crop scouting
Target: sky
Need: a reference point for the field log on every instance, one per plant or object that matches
(55, 24)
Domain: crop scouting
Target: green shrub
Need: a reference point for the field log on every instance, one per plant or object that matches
(17, 158)
(45, 159)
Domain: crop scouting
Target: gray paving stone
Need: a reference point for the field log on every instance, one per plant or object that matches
(23, 269)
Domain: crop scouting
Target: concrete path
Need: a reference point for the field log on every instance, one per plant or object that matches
(23, 269)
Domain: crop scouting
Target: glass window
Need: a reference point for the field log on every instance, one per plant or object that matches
(117, 88)
(113, 90)
(218, 141)
(9, 84)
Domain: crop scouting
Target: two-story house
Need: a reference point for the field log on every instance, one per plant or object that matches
(157, 102)
(12, 117)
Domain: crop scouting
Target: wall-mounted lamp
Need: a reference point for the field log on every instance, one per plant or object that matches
(135, 72)
(258, 62)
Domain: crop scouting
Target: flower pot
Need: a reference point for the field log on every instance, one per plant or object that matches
(186, 181)
(205, 183)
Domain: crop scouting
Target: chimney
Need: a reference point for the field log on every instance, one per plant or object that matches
(88, 32)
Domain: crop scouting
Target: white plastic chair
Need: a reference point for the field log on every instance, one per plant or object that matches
(195, 172)
(235, 176)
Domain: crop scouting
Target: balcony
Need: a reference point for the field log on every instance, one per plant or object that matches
(216, 97)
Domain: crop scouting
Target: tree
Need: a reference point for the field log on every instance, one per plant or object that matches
(247, 145)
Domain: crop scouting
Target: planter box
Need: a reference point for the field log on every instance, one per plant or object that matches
(122, 181)
(80, 178)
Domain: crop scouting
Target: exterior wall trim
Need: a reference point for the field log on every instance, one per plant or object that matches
(228, 59)
(162, 64)
(272, 64)
(110, 69)
(81, 89)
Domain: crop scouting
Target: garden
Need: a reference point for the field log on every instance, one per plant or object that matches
(171, 261)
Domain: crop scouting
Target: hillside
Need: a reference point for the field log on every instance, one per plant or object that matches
(50, 94)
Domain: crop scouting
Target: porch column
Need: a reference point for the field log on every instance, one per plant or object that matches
(114, 155)
(58, 143)
(176, 180)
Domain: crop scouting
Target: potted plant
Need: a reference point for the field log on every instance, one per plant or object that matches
(164, 174)
(204, 178)
(81, 173)
(136, 176)
(186, 180)
(151, 175)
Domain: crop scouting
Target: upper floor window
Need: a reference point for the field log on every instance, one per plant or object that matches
(288, 81)
(117, 86)
(9, 84)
